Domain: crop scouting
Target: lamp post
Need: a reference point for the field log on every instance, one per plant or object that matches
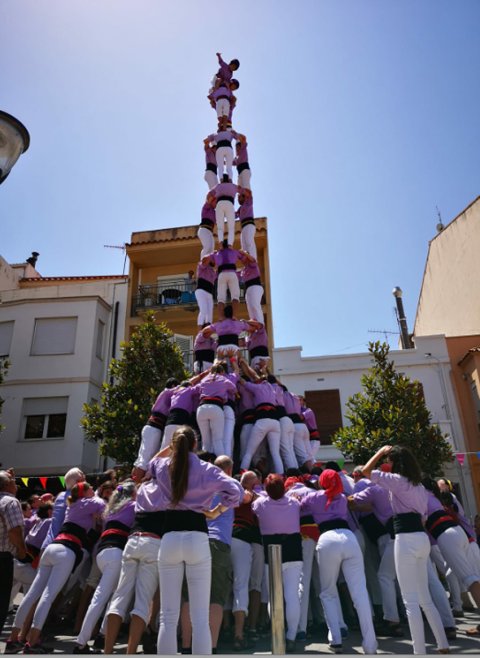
(14, 140)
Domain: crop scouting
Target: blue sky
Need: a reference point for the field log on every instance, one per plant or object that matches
(361, 115)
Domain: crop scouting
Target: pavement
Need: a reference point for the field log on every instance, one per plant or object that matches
(63, 643)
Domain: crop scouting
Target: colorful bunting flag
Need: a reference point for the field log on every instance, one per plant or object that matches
(341, 462)
(25, 481)
(43, 482)
(62, 480)
(461, 458)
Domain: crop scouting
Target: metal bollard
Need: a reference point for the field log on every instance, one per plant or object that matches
(276, 598)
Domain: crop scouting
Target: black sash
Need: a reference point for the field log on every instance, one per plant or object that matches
(203, 284)
(253, 282)
(241, 167)
(205, 355)
(224, 142)
(178, 417)
(247, 221)
(149, 522)
(180, 520)
(259, 350)
(227, 266)
(291, 546)
(438, 522)
(265, 411)
(225, 198)
(333, 524)
(117, 538)
(295, 418)
(408, 522)
(211, 167)
(157, 420)
(374, 529)
(228, 339)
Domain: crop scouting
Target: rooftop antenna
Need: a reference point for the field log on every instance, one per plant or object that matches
(385, 332)
(440, 225)
(118, 246)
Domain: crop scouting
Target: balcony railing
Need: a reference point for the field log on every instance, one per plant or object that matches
(189, 358)
(171, 293)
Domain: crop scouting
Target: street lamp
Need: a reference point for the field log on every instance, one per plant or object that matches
(14, 140)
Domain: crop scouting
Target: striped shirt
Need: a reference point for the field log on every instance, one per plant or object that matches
(10, 517)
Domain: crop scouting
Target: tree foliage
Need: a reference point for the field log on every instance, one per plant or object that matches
(148, 360)
(391, 410)
(4, 365)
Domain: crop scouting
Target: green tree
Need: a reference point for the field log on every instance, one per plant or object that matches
(4, 365)
(391, 410)
(148, 360)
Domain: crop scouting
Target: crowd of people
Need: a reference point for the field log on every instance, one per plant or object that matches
(178, 550)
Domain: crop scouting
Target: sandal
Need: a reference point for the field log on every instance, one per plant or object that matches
(473, 631)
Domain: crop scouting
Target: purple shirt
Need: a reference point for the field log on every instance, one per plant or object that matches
(215, 386)
(263, 393)
(242, 154)
(279, 398)
(206, 272)
(225, 73)
(277, 516)
(223, 136)
(314, 504)
(184, 398)
(258, 338)
(210, 156)
(38, 532)
(225, 256)
(228, 326)
(202, 343)
(225, 189)
(404, 496)
(292, 404)
(249, 271)
(208, 212)
(83, 512)
(433, 504)
(378, 498)
(162, 403)
(245, 210)
(246, 402)
(125, 514)
(309, 417)
(204, 482)
(221, 91)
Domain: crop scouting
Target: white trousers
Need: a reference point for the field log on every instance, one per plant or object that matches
(244, 437)
(55, 567)
(253, 298)
(225, 211)
(287, 453)
(291, 572)
(168, 433)
(453, 544)
(138, 576)
(308, 552)
(247, 240)
(109, 562)
(23, 577)
(244, 180)
(228, 279)
(211, 422)
(211, 179)
(149, 446)
(182, 554)
(205, 236)
(387, 578)
(224, 155)
(222, 106)
(339, 549)
(412, 551)
(450, 577)
(264, 427)
(205, 306)
(201, 366)
(301, 443)
(248, 562)
(228, 430)
(439, 597)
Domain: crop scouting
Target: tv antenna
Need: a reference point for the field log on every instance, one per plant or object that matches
(385, 332)
(118, 246)
(440, 225)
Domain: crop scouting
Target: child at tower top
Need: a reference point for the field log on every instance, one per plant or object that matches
(225, 72)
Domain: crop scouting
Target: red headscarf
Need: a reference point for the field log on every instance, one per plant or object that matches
(332, 483)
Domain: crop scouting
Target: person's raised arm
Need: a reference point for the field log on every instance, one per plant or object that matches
(373, 461)
(208, 331)
(247, 370)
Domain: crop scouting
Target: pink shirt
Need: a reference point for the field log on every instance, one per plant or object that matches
(404, 496)
(277, 516)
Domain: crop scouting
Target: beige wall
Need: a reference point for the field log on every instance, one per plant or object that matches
(449, 299)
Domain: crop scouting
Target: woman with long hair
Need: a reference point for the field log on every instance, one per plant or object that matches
(118, 516)
(188, 486)
(58, 561)
(409, 500)
(338, 548)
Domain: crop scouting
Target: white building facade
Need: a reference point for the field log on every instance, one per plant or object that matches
(328, 382)
(59, 335)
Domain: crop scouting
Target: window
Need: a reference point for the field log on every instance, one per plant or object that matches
(185, 343)
(328, 411)
(44, 418)
(6, 333)
(54, 336)
(100, 333)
